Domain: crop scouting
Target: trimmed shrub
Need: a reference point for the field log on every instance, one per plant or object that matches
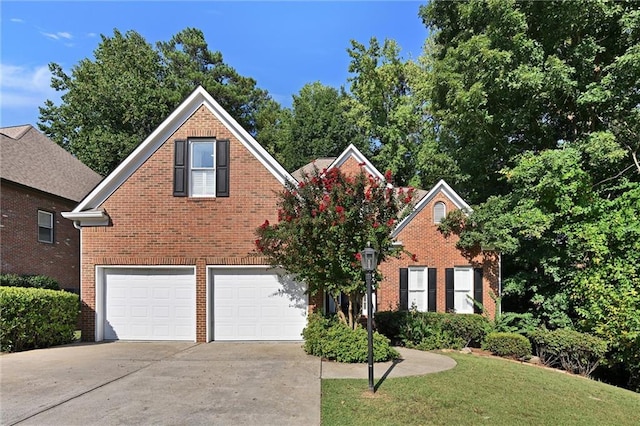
(332, 339)
(28, 281)
(507, 345)
(36, 318)
(432, 330)
(576, 352)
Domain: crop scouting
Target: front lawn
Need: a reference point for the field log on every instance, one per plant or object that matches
(480, 390)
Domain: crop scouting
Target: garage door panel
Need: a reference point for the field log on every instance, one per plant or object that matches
(149, 304)
(253, 305)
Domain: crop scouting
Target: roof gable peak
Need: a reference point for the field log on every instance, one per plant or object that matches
(198, 98)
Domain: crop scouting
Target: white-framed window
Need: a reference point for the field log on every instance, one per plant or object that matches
(45, 226)
(463, 290)
(439, 211)
(202, 169)
(417, 287)
(365, 308)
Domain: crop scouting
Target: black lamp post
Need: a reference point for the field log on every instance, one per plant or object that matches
(369, 259)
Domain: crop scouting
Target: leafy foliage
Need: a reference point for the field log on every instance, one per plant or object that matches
(323, 224)
(388, 105)
(539, 103)
(575, 352)
(112, 102)
(34, 281)
(334, 340)
(507, 344)
(319, 124)
(36, 318)
(432, 330)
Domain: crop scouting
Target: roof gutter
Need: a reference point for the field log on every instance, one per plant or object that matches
(87, 218)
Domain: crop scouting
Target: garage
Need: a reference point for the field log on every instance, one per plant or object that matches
(149, 304)
(256, 304)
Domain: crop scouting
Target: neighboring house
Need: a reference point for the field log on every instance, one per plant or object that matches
(168, 237)
(39, 180)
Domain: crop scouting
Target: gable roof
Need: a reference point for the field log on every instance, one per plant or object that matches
(199, 97)
(440, 187)
(31, 159)
(352, 152)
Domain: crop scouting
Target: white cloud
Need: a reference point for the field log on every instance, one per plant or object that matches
(92, 35)
(58, 35)
(17, 20)
(25, 87)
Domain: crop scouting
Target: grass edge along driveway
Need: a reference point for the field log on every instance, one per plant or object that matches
(480, 390)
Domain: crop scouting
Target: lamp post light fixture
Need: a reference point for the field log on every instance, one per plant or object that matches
(369, 259)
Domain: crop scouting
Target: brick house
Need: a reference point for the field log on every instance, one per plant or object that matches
(443, 279)
(39, 180)
(168, 238)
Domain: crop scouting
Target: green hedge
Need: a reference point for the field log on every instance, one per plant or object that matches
(332, 339)
(28, 281)
(507, 344)
(36, 318)
(571, 350)
(432, 330)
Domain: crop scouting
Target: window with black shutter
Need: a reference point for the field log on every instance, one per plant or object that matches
(201, 168)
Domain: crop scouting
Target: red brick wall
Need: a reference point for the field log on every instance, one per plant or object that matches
(20, 250)
(422, 238)
(152, 227)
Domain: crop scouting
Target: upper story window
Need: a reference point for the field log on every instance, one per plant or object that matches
(439, 212)
(45, 227)
(201, 168)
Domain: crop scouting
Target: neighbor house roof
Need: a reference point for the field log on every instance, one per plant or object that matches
(320, 164)
(31, 159)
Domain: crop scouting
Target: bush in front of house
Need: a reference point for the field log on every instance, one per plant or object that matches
(36, 318)
(28, 281)
(332, 339)
(432, 330)
(507, 344)
(576, 352)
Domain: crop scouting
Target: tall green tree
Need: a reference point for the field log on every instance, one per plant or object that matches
(540, 102)
(390, 107)
(509, 77)
(317, 125)
(111, 102)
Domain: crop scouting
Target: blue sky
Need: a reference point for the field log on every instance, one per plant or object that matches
(281, 44)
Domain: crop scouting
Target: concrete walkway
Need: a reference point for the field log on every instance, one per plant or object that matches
(411, 363)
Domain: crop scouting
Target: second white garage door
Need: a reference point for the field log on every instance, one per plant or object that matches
(254, 304)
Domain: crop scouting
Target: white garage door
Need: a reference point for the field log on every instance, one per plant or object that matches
(150, 304)
(257, 305)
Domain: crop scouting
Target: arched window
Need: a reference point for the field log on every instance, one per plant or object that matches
(439, 212)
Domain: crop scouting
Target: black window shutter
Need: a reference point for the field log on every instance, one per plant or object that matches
(477, 289)
(180, 169)
(222, 168)
(431, 289)
(448, 283)
(404, 289)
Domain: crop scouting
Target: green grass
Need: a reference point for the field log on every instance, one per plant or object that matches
(480, 391)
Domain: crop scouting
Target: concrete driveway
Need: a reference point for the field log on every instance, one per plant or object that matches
(161, 383)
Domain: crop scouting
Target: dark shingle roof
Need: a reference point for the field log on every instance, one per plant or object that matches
(31, 159)
(320, 163)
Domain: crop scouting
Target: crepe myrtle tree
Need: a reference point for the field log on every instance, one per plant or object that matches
(324, 221)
